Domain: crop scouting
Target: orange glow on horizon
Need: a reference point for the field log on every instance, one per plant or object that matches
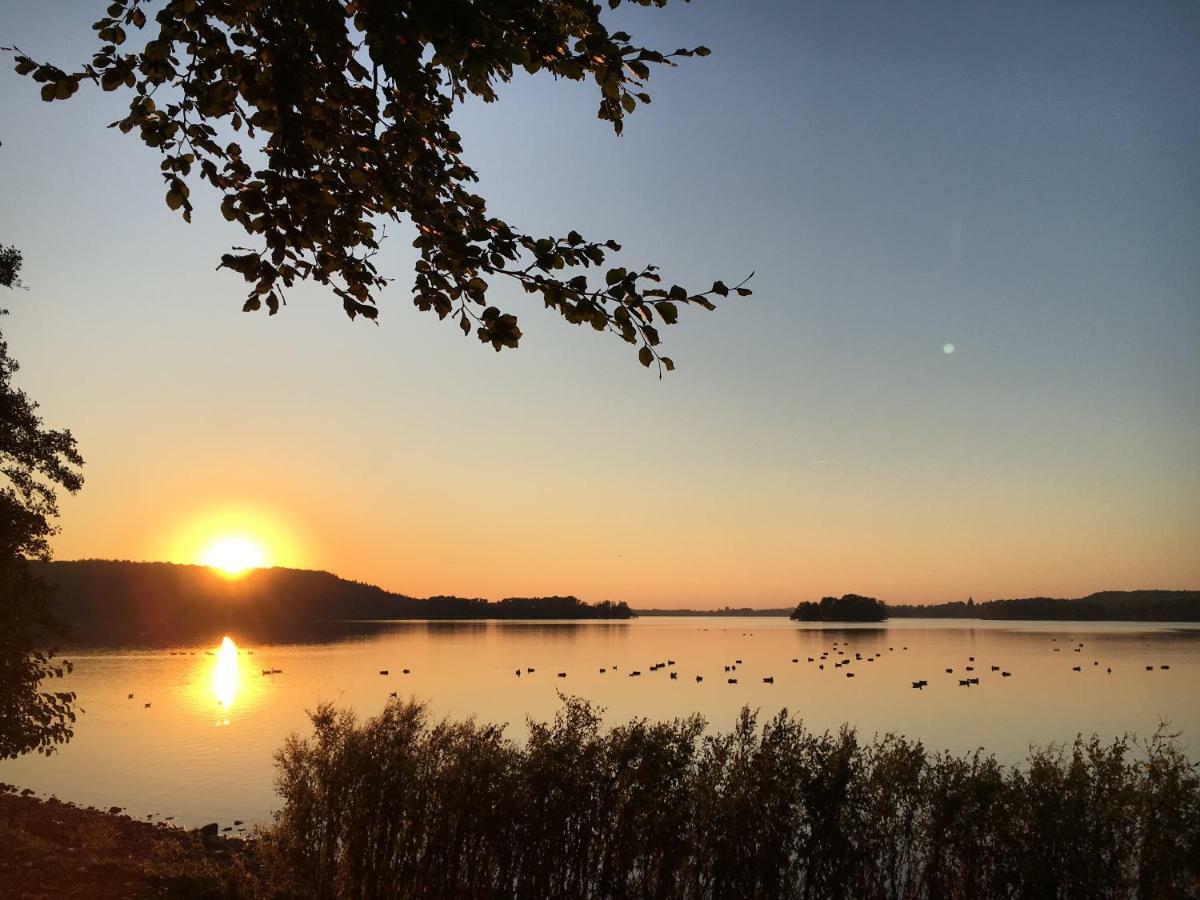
(234, 539)
(234, 555)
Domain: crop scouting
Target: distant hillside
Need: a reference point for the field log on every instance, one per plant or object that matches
(106, 600)
(1133, 606)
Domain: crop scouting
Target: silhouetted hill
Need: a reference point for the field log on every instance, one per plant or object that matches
(107, 600)
(1133, 606)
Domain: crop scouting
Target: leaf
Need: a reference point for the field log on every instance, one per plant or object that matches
(346, 132)
(645, 357)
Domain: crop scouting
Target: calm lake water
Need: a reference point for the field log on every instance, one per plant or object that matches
(202, 750)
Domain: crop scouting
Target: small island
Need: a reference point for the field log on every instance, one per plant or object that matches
(847, 608)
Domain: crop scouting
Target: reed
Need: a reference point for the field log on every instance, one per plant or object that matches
(403, 806)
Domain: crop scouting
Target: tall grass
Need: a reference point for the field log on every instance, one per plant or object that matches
(402, 806)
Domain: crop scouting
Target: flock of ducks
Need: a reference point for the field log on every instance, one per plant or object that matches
(858, 657)
(731, 668)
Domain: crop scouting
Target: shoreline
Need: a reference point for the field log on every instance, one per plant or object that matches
(55, 848)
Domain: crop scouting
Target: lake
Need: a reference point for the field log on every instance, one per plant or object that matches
(202, 750)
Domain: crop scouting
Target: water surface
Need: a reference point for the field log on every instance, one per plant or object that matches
(202, 750)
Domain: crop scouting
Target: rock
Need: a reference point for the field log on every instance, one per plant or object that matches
(209, 830)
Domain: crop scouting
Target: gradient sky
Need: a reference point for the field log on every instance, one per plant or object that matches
(1021, 180)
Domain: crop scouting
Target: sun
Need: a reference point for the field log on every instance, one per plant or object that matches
(234, 555)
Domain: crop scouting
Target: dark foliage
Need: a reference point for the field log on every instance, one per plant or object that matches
(1129, 606)
(10, 267)
(345, 108)
(847, 608)
(35, 462)
(401, 807)
(155, 603)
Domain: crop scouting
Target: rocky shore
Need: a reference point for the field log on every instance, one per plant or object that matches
(49, 848)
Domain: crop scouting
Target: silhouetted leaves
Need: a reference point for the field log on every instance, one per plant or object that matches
(34, 463)
(346, 107)
(10, 267)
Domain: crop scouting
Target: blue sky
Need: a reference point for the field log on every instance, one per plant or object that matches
(1020, 180)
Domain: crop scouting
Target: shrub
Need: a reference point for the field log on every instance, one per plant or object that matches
(400, 806)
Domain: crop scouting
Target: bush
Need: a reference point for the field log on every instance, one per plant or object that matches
(403, 807)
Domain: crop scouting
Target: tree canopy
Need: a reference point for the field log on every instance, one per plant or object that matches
(35, 463)
(318, 121)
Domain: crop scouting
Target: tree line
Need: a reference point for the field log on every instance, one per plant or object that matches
(155, 603)
(1116, 606)
(1129, 606)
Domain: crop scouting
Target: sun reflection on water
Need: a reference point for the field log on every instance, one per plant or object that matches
(223, 682)
(225, 673)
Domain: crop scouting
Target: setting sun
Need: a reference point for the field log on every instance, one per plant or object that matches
(234, 555)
